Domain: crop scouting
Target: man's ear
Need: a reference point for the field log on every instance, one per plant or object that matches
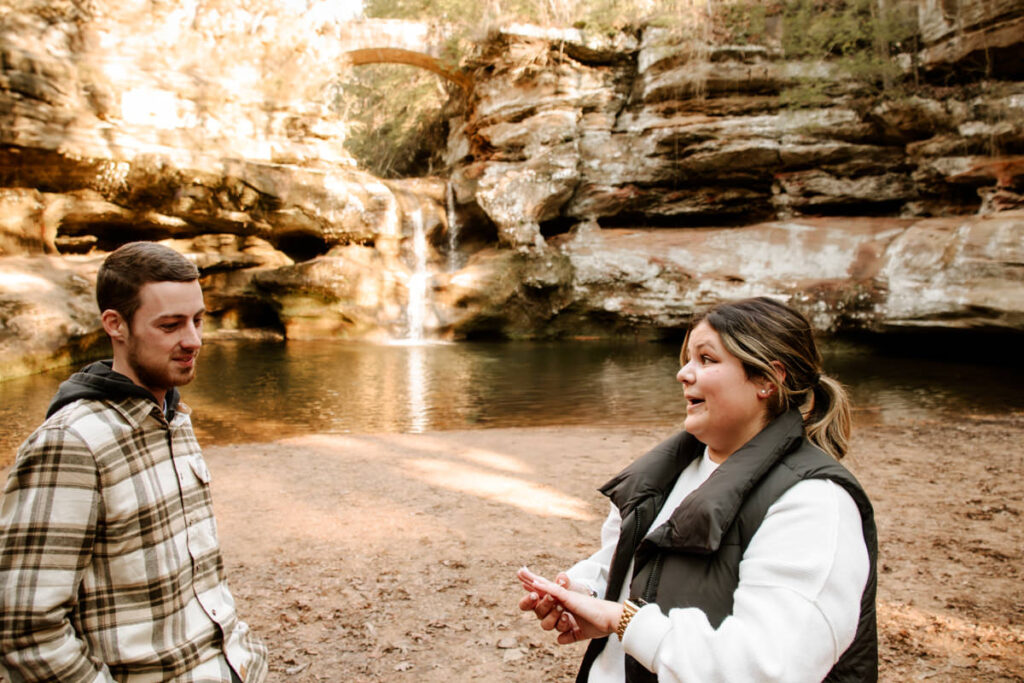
(114, 325)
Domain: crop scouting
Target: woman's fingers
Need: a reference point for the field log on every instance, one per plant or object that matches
(567, 623)
(577, 630)
(571, 632)
(544, 597)
(541, 585)
(527, 578)
(529, 601)
(553, 616)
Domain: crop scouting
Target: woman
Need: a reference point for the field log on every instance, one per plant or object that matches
(739, 549)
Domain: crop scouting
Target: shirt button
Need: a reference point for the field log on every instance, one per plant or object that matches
(213, 612)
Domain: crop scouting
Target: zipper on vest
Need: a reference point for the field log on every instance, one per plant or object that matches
(637, 534)
(653, 578)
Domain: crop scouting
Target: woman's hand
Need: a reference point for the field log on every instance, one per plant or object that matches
(551, 614)
(575, 614)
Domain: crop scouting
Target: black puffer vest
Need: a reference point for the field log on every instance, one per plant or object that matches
(693, 559)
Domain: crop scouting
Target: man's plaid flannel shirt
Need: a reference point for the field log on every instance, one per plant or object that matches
(110, 568)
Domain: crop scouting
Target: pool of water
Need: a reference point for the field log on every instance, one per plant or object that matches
(253, 391)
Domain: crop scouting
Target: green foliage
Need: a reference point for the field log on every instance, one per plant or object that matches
(807, 94)
(472, 14)
(861, 36)
(740, 23)
(594, 15)
(602, 15)
(447, 11)
(396, 118)
(812, 28)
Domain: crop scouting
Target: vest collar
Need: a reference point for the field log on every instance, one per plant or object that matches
(652, 474)
(700, 521)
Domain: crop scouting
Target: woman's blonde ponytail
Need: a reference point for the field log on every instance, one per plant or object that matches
(828, 423)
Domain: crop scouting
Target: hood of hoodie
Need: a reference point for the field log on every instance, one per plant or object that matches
(99, 381)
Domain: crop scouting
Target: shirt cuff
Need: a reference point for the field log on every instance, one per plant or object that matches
(643, 636)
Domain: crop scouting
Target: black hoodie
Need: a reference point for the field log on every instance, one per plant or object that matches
(99, 381)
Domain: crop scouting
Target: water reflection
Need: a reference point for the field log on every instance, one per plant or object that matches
(256, 391)
(317, 386)
(416, 387)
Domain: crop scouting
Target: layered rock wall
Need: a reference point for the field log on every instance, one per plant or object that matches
(600, 184)
(208, 125)
(671, 174)
(654, 132)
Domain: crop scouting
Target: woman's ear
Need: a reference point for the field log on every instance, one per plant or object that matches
(780, 372)
(765, 384)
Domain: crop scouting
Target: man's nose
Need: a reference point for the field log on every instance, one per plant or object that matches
(193, 337)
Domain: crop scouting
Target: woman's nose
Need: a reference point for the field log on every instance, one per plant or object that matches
(683, 375)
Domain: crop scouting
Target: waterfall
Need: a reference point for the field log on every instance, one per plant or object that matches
(453, 231)
(416, 311)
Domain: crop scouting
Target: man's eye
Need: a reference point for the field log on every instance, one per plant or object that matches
(168, 327)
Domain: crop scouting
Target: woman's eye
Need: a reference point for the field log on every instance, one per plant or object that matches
(704, 360)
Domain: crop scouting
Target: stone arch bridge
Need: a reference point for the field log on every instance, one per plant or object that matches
(395, 41)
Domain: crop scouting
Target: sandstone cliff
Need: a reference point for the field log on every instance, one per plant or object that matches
(599, 183)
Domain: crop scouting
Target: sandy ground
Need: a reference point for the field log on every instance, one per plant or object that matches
(391, 557)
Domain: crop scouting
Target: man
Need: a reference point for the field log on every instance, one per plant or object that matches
(110, 568)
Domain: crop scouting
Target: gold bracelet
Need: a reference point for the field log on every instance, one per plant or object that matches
(629, 608)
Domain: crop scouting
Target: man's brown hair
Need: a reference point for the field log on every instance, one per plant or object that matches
(133, 265)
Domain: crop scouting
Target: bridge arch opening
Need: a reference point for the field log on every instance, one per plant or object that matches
(391, 55)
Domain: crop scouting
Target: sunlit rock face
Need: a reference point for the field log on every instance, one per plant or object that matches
(119, 80)
(659, 133)
(358, 291)
(973, 35)
(136, 119)
(49, 313)
(600, 184)
(879, 274)
(205, 125)
(674, 177)
(511, 294)
(24, 224)
(955, 272)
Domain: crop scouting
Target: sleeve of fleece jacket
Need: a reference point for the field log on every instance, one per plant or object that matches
(593, 571)
(796, 607)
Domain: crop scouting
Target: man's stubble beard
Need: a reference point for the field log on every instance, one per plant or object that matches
(162, 378)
